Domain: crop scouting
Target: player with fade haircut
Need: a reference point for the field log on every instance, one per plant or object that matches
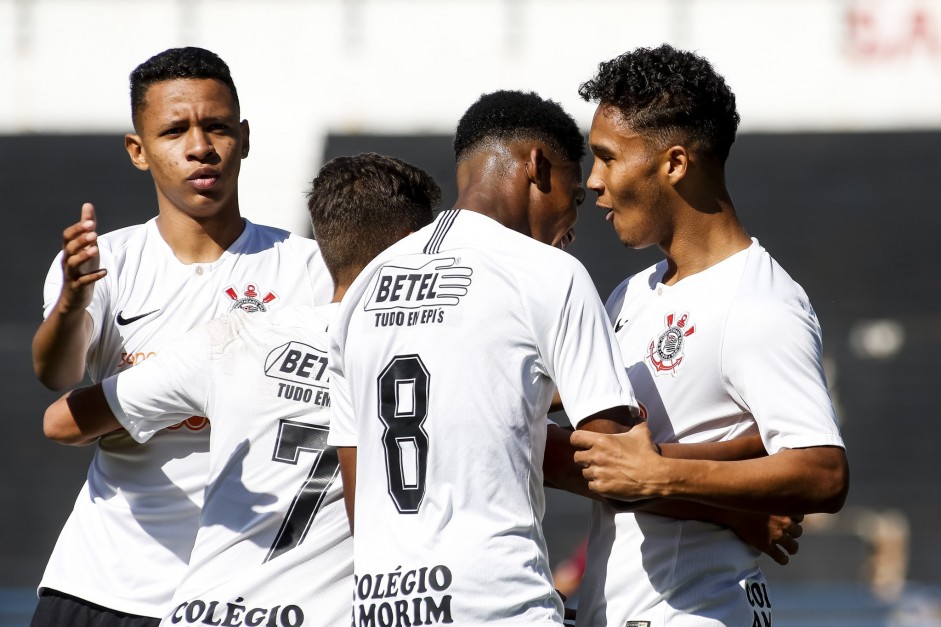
(720, 343)
(444, 358)
(114, 300)
(274, 544)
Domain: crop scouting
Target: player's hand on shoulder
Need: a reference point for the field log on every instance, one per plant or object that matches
(773, 535)
(622, 466)
(80, 262)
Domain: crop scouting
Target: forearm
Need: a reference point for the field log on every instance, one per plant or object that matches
(744, 447)
(797, 480)
(559, 468)
(79, 417)
(59, 348)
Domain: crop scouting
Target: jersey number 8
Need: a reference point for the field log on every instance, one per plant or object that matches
(403, 407)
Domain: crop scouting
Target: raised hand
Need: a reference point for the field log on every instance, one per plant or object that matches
(80, 262)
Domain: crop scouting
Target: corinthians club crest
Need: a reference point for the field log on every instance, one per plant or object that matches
(666, 352)
(249, 300)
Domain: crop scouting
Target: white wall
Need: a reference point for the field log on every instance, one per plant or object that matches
(308, 67)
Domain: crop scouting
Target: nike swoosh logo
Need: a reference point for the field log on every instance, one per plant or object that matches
(619, 324)
(121, 320)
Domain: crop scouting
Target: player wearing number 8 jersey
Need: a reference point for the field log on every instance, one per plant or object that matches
(274, 544)
(444, 358)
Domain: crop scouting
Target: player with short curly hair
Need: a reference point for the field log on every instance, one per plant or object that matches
(669, 95)
(444, 358)
(721, 343)
(507, 115)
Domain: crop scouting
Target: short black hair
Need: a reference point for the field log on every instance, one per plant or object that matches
(361, 205)
(510, 115)
(673, 94)
(178, 63)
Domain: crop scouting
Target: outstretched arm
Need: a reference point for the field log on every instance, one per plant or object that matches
(80, 417)
(62, 339)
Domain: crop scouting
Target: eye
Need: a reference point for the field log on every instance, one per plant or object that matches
(173, 131)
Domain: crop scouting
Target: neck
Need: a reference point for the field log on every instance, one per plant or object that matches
(487, 183)
(195, 241)
(343, 279)
(706, 231)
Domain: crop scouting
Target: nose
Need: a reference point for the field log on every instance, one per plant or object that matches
(199, 145)
(595, 182)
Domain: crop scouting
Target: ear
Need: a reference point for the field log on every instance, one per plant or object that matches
(135, 149)
(676, 164)
(243, 126)
(538, 169)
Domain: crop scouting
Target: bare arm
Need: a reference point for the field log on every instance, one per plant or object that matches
(561, 471)
(774, 535)
(61, 341)
(627, 466)
(80, 417)
(347, 455)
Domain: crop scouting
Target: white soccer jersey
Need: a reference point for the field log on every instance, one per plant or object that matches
(442, 364)
(731, 350)
(274, 544)
(129, 536)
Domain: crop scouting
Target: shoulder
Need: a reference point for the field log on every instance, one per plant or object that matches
(769, 308)
(128, 237)
(765, 285)
(642, 281)
(261, 235)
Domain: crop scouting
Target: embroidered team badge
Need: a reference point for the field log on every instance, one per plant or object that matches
(249, 300)
(666, 352)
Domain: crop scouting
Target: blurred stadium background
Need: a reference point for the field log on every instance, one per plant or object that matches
(835, 171)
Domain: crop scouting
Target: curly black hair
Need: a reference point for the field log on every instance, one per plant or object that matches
(508, 115)
(176, 63)
(361, 205)
(673, 94)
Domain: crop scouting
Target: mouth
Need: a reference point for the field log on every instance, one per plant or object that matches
(567, 238)
(204, 178)
(609, 212)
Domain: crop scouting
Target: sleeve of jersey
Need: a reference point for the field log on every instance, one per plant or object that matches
(772, 361)
(343, 428)
(581, 353)
(53, 287)
(164, 390)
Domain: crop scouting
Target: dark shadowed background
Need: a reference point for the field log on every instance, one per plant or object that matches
(853, 218)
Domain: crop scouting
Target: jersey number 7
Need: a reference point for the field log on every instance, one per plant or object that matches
(403, 407)
(293, 438)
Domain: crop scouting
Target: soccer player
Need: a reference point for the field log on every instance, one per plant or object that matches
(719, 342)
(274, 544)
(444, 358)
(113, 301)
